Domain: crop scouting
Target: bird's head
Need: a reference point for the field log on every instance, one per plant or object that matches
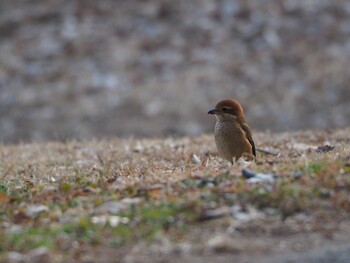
(228, 110)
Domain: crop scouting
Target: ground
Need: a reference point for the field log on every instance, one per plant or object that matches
(165, 199)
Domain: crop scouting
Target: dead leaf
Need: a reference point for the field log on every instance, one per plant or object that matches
(4, 199)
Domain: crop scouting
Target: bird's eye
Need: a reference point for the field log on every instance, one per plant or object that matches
(224, 109)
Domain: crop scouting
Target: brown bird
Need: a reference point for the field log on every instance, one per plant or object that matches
(232, 135)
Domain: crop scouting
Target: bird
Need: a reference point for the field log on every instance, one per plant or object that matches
(232, 134)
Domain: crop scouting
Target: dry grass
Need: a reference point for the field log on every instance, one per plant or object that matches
(126, 198)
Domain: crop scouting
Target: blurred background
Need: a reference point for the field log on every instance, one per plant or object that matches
(81, 69)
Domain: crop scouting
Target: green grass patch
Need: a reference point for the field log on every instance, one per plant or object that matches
(150, 218)
(42, 236)
(315, 167)
(31, 238)
(3, 188)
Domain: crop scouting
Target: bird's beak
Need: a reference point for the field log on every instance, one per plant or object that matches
(213, 111)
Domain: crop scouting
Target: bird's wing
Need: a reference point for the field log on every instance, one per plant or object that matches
(249, 136)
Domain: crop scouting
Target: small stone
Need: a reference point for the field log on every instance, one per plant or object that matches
(296, 175)
(138, 147)
(223, 243)
(196, 159)
(114, 207)
(215, 213)
(34, 210)
(325, 148)
(14, 256)
(39, 252)
(246, 214)
(254, 177)
(114, 221)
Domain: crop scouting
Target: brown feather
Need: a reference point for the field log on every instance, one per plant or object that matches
(235, 108)
(246, 129)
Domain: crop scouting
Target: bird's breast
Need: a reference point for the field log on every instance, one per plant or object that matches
(230, 140)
